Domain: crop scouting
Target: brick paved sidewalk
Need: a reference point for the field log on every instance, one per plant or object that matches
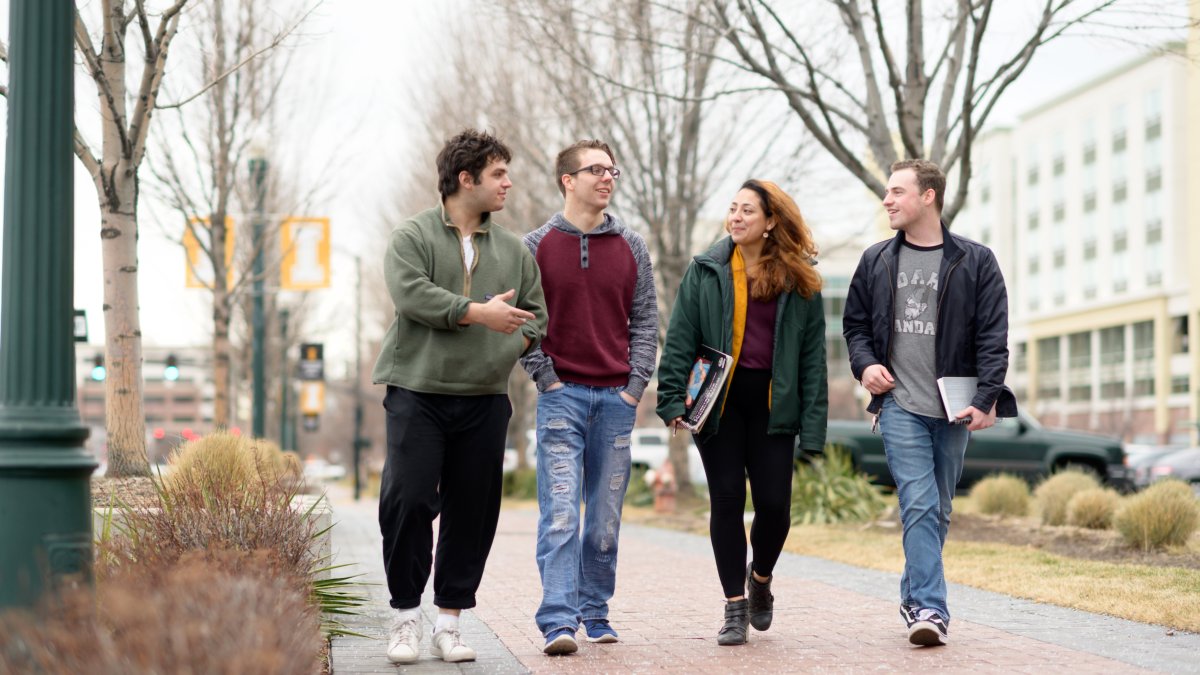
(828, 617)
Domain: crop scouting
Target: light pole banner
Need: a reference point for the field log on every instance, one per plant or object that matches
(305, 253)
(199, 265)
(312, 397)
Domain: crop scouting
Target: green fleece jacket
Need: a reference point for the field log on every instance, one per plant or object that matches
(425, 348)
(703, 315)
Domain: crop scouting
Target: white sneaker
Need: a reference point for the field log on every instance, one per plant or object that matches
(448, 646)
(404, 640)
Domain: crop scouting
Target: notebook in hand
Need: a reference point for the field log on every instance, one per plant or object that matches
(709, 372)
(957, 394)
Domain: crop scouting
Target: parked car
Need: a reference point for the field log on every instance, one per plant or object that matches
(1181, 464)
(1141, 457)
(1019, 445)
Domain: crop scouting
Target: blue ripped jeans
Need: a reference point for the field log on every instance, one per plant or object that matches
(582, 455)
(925, 456)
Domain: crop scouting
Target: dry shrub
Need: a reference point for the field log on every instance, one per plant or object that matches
(212, 612)
(1003, 494)
(224, 492)
(1053, 495)
(1165, 514)
(1093, 508)
(225, 461)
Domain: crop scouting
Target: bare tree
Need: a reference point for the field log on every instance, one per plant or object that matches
(238, 73)
(870, 94)
(125, 111)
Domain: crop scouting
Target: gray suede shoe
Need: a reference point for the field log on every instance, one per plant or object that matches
(734, 632)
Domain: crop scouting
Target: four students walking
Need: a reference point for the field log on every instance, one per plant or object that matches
(577, 304)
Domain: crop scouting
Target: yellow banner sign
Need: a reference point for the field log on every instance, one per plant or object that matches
(312, 397)
(305, 253)
(199, 266)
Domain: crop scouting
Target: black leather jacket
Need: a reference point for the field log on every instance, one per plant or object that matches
(972, 331)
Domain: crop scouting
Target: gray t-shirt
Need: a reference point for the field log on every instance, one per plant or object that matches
(914, 331)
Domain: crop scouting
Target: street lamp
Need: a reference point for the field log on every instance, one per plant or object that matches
(258, 175)
(45, 488)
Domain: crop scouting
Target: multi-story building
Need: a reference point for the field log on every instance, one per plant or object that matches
(177, 393)
(1085, 202)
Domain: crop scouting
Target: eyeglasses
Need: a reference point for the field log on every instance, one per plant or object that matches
(598, 170)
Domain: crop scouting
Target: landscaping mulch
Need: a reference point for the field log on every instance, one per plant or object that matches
(136, 492)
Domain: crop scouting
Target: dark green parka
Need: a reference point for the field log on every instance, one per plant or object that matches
(703, 315)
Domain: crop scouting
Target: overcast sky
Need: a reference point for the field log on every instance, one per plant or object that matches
(357, 58)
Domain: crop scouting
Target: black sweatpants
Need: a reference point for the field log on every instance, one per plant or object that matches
(740, 448)
(445, 456)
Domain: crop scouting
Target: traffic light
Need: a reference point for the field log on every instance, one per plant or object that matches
(171, 370)
(98, 371)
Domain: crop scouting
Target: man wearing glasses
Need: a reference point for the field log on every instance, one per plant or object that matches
(590, 371)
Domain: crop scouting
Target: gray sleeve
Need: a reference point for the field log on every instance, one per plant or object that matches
(643, 319)
(537, 363)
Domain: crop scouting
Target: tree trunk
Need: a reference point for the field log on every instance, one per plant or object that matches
(221, 358)
(677, 452)
(124, 414)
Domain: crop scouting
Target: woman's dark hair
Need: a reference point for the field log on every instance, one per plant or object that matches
(471, 151)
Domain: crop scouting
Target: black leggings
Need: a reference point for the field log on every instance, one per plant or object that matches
(740, 448)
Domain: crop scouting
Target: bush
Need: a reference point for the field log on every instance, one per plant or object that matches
(1002, 494)
(1093, 508)
(212, 612)
(225, 462)
(1165, 514)
(640, 493)
(227, 493)
(520, 484)
(1056, 491)
(830, 490)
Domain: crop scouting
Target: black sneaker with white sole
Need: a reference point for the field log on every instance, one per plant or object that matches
(929, 629)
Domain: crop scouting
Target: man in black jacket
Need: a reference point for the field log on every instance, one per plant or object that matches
(923, 305)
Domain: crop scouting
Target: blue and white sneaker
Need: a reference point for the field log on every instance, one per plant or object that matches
(560, 641)
(929, 630)
(600, 631)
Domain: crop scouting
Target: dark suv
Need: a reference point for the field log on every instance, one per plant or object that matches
(1019, 446)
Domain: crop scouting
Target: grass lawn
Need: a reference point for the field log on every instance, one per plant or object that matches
(1169, 596)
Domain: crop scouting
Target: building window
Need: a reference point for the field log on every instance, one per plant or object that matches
(1048, 364)
(1112, 360)
(1143, 341)
(1118, 127)
(1179, 384)
(1179, 334)
(1020, 357)
(1060, 212)
(1153, 113)
(1034, 266)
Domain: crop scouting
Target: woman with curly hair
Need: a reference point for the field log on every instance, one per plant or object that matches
(756, 296)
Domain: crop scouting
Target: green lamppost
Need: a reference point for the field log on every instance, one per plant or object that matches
(258, 175)
(284, 442)
(45, 493)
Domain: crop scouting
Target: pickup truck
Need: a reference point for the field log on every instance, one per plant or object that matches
(1019, 446)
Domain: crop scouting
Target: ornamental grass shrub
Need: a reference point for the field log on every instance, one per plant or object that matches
(1056, 491)
(1165, 514)
(209, 612)
(1093, 508)
(228, 493)
(1001, 495)
(829, 489)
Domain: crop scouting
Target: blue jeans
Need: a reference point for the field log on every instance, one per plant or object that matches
(582, 454)
(925, 456)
